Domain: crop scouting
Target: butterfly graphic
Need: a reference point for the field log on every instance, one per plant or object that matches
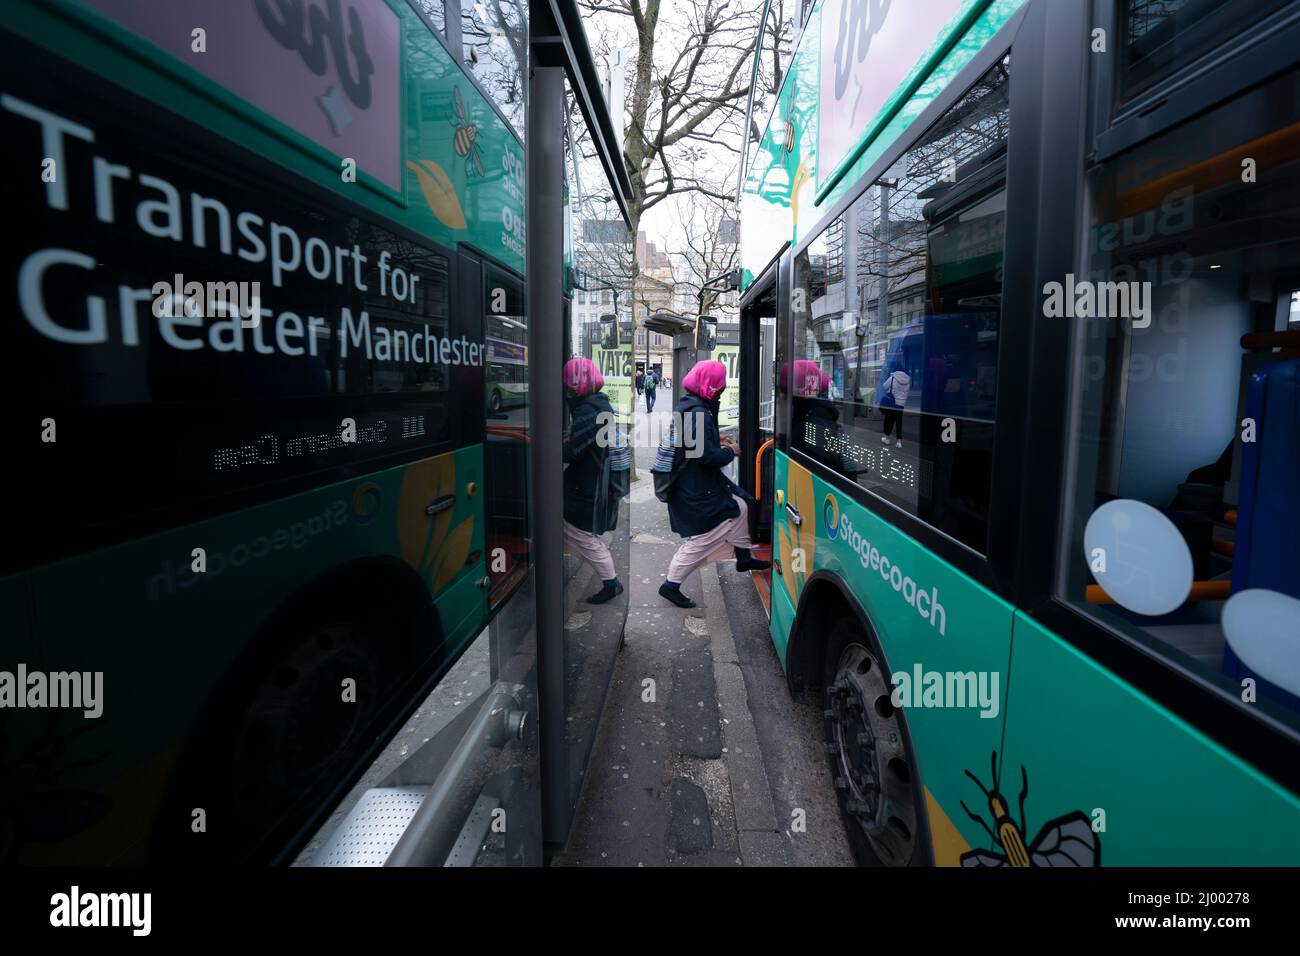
(1065, 841)
(35, 808)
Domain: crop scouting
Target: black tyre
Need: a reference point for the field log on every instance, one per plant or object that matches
(496, 401)
(277, 739)
(870, 754)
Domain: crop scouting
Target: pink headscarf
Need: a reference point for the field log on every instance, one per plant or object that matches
(809, 380)
(706, 380)
(581, 375)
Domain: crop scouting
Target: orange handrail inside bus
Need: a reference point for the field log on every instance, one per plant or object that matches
(1201, 591)
(518, 432)
(1277, 146)
(758, 468)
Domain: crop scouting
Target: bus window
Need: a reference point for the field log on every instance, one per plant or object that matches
(1182, 531)
(506, 448)
(896, 310)
(1161, 37)
(435, 12)
(495, 37)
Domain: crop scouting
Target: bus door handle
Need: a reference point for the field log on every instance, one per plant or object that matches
(792, 513)
(439, 505)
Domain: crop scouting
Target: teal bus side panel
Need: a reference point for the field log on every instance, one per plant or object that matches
(163, 636)
(781, 621)
(136, 612)
(780, 624)
(1170, 796)
(972, 638)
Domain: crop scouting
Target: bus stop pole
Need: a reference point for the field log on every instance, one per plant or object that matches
(545, 206)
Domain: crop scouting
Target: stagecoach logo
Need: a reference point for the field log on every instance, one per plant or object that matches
(365, 502)
(1066, 841)
(831, 515)
(924, 602)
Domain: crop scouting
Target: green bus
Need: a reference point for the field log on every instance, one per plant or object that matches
(268, 528)
(507, 363)
(1031, 485)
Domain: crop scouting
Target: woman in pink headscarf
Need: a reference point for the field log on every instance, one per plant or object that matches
(587, 507)
(704, 506)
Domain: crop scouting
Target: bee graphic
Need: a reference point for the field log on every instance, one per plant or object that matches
(1065, 841)
(789, 127)
(36, 806)
(466, 133)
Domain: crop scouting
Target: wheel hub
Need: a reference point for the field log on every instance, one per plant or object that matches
(872, 765)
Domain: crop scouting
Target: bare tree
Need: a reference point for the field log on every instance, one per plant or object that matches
(690, 81)
(690, 85)
(709, 248)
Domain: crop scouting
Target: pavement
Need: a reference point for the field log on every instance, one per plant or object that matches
(701, 758)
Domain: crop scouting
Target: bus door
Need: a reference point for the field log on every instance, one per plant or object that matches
(756, 369)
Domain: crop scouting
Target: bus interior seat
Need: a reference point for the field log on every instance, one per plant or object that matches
(1268, 516)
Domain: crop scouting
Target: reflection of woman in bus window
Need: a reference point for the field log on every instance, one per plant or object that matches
(588, 509)
(816, 418)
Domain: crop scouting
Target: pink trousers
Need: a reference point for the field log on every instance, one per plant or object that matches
(714, 545)
(591, 548)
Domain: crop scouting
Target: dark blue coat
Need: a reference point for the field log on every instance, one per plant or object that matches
(587, 502)
(700, 498)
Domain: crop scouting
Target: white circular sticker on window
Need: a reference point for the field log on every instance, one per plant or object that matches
(1263, 629)
(1138, 557)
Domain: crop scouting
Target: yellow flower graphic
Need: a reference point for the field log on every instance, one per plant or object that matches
(432, 545)
(799, 487)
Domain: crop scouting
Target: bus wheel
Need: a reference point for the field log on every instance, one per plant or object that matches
(870, 759)
(298, 715)
(496, 401)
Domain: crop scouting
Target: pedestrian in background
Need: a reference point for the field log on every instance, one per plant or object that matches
(640, 380)
(704, 506)
(892, 400)
(650, 384)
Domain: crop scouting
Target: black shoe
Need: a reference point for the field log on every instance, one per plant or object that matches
(606, 593)
(752, 564)
(675, 595)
